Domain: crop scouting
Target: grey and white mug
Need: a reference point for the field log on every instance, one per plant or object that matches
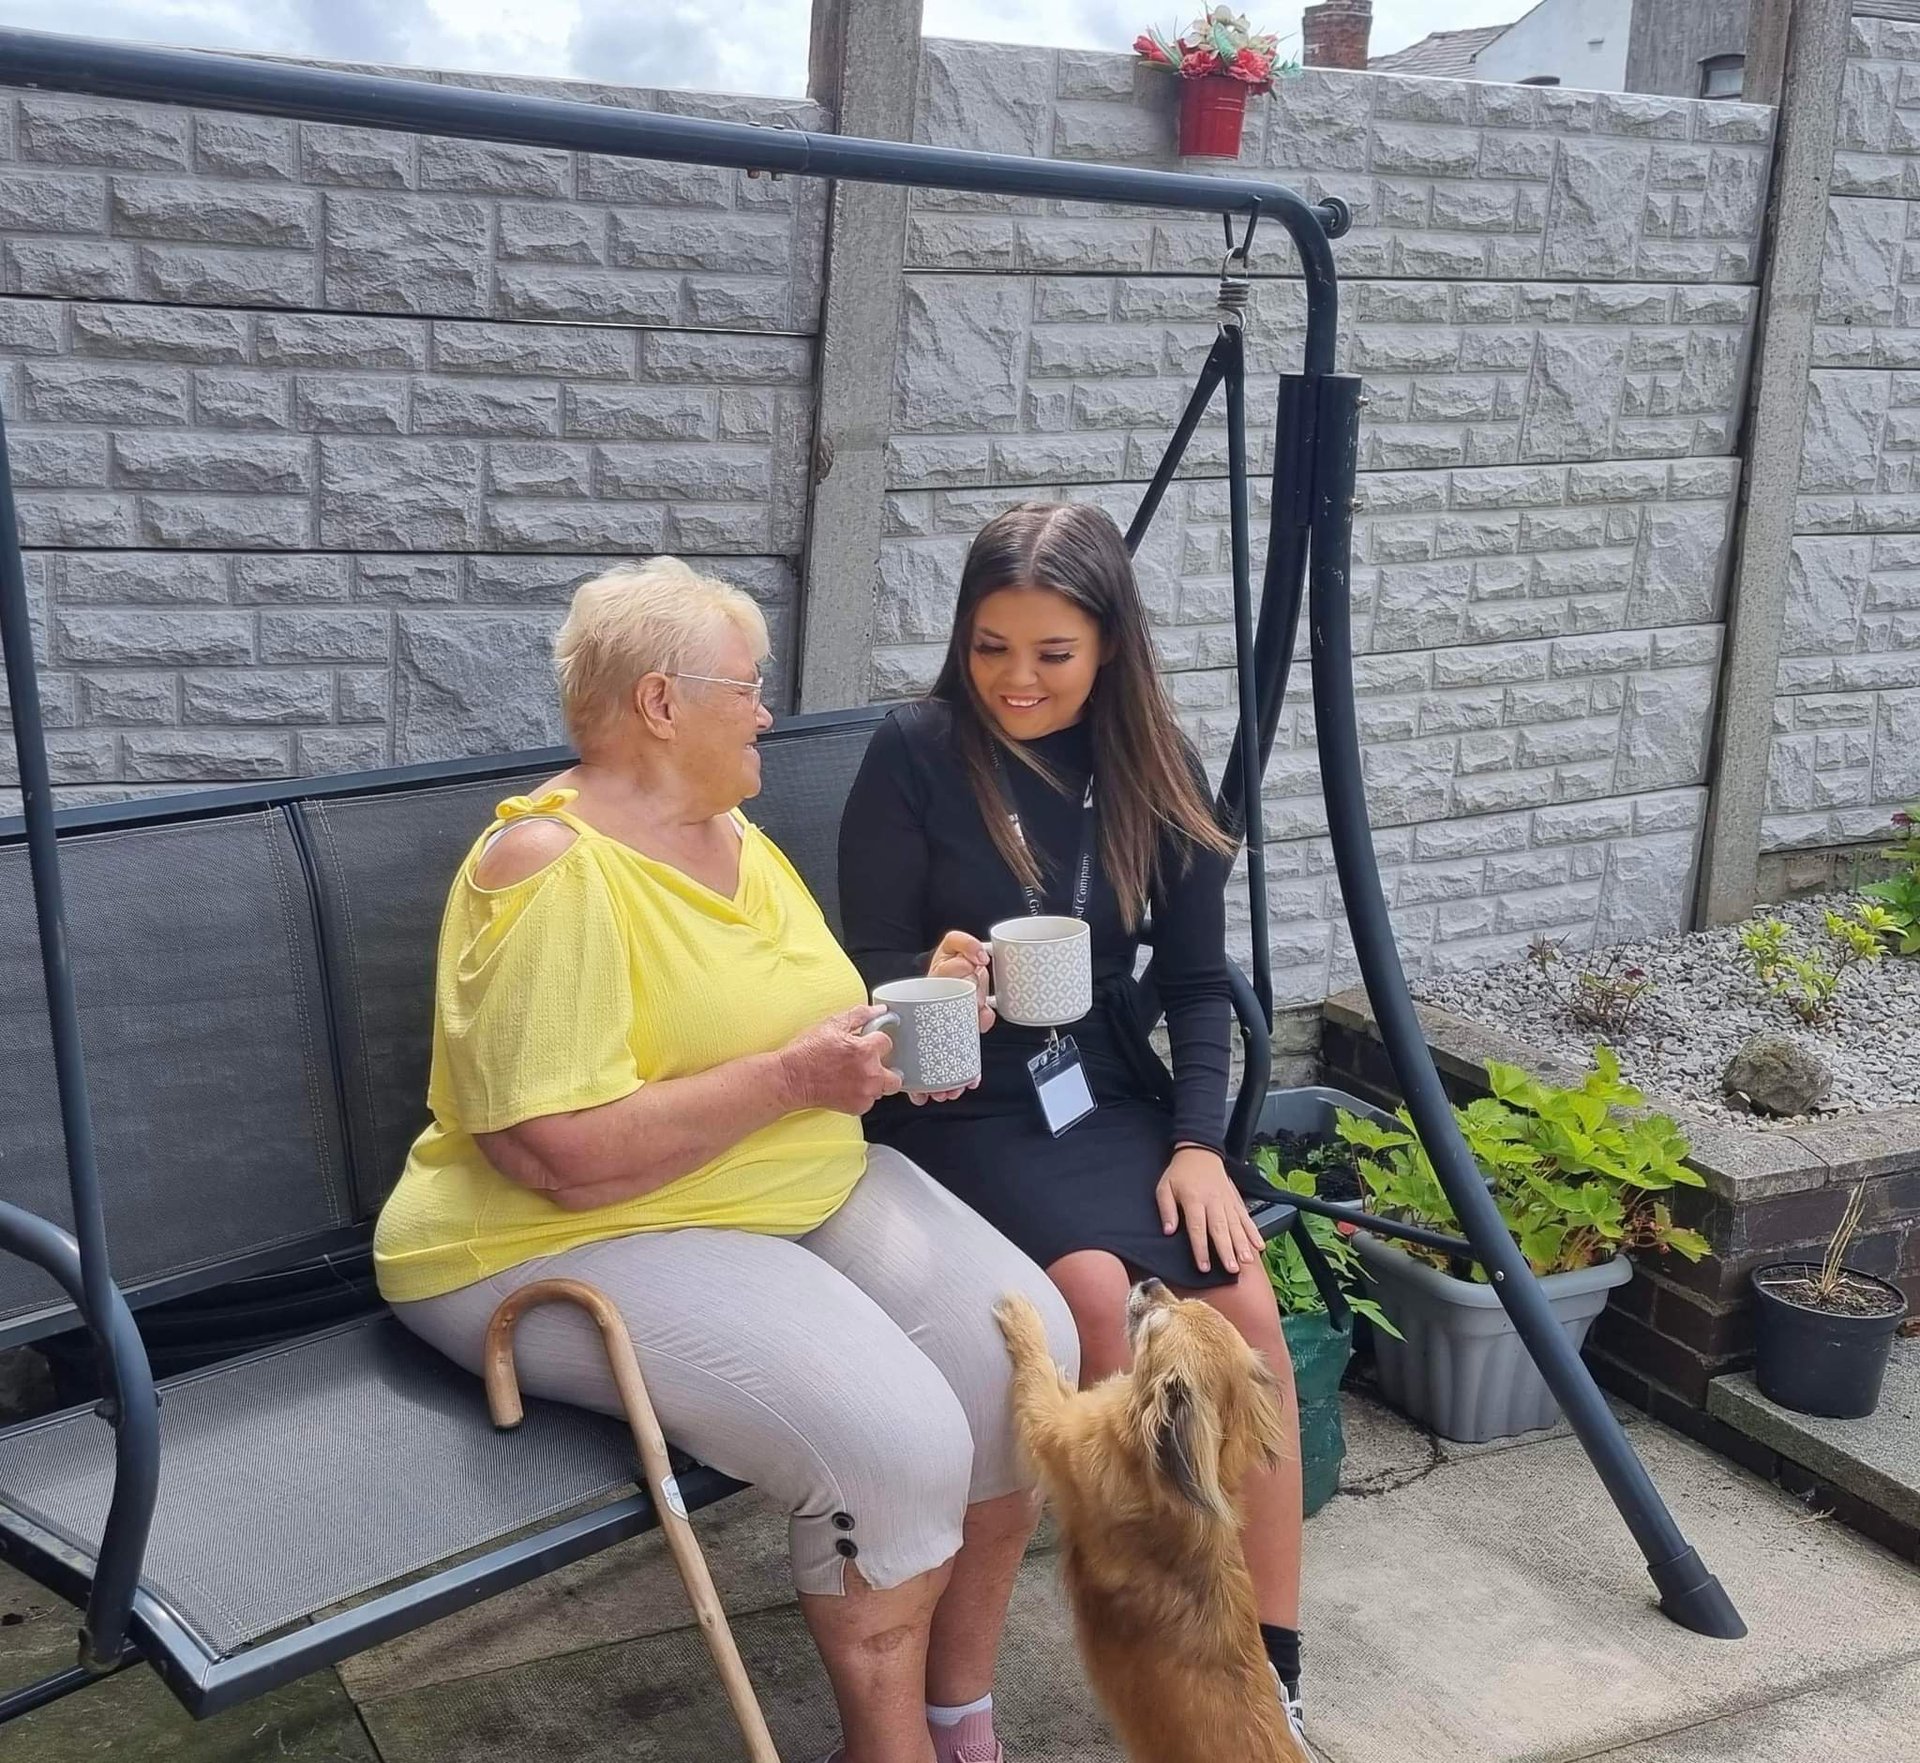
(935, 1028)
(1042, 970)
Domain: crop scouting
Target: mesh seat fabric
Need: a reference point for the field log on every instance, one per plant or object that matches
(384, 864)
(804, 782)
(198, 980)
(309, 1475)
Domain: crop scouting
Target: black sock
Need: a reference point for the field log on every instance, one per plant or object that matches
(1283, 1648)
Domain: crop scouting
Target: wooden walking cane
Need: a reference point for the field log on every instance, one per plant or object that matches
(503, 1402)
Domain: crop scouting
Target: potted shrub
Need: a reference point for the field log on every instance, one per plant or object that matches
(1578, 1185)
(1299, 1151)
(1822, 1333)
(1219, 61)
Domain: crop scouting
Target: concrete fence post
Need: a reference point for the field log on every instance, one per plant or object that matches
(1800, 57)
(864, 65)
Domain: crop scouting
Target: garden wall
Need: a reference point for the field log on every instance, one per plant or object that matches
(1551, 297)
(315, 429)
(1846, 742)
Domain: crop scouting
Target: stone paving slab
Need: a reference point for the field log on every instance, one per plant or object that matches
(1494, 1609)
(1858, 1717)
(1876, 1459)
(620, 1595)
(657, 1700)
(132, 1716)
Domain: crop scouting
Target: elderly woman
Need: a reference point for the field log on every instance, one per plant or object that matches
(648, 1072)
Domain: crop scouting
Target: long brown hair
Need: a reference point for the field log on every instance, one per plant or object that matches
(1146, 777)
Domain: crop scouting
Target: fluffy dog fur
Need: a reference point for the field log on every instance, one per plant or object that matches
(1142, 1472)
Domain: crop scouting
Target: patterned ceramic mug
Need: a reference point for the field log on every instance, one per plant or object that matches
(1042, 970)
(935, 1027)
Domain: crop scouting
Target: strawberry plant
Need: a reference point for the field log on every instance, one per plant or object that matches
(1576, 1181)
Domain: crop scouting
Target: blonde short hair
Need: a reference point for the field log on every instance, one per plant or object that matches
(642, 618)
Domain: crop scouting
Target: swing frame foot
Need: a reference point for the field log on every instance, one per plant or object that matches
(1692, 1597)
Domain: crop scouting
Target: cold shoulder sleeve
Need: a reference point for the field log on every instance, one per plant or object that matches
(884, 862)
(534, 1005)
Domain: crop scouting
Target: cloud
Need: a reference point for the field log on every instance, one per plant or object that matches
(760, 46)
(762, 49)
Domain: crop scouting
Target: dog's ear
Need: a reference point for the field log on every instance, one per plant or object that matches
(1267, 1404)
(1186, 1445)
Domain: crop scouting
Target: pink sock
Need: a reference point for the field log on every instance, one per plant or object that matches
(966, 1740)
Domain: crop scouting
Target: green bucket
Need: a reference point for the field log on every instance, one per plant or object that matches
(1320, 1353)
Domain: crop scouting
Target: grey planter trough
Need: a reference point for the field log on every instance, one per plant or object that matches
(1462, 1369)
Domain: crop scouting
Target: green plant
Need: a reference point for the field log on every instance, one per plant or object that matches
(1899, 894)
(1807, 980)
(1605, 997)
(1576, 1182)
(1287, 1268)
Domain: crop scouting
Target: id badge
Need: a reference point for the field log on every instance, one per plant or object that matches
(1060, 1084)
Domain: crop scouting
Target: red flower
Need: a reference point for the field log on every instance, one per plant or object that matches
(1345, 1229)
(1197, 64)
(1253, 67)
(1144, 45)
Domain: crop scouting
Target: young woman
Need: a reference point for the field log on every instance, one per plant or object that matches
(1046, 774)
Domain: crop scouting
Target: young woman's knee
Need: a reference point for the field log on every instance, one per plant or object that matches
(1249, 1304)
(1094, 1285)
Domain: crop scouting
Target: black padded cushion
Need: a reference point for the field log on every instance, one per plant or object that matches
(198, 982)
(308, 1475)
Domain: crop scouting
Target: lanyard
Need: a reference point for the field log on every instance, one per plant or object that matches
(1083, 871)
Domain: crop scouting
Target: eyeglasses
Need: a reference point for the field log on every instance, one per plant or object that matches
(755, 688)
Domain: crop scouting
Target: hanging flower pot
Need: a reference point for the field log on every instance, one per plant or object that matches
(1219, 61)
(1213, 112)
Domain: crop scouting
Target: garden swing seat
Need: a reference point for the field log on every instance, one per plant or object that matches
(250, 972)
(260, 962)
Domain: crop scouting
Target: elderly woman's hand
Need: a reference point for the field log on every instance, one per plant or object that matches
(835, 1066)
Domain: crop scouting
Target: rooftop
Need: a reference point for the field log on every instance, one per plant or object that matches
(1439, 52)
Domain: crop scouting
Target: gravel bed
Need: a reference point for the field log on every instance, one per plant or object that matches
(1704, 1004)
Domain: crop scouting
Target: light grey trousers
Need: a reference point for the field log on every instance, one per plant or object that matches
(856, 1373)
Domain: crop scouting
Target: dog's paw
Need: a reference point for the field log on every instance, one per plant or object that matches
(1020, 1325)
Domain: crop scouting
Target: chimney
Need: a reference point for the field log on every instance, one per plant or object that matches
(1334, 34)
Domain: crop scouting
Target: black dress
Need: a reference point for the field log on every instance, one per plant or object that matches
(916, 861)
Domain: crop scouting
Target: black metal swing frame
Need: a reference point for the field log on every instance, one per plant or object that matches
(1306, 562)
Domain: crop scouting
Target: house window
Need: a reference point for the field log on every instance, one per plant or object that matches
(1721, 76)
(1542, 79)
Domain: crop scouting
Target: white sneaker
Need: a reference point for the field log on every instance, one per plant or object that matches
(1297, 1723)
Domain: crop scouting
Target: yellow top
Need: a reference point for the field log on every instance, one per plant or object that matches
(603, 971)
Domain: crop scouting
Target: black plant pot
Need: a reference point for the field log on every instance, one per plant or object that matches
(1821, 1361)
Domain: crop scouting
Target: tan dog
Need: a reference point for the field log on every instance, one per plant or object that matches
(1142, 1471)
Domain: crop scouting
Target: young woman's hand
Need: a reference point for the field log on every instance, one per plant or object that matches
(1196, 1191)
(959, 956)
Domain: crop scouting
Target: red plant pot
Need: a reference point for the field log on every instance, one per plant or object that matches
(1213, 110)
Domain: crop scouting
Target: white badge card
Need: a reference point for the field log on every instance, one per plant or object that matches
(1060, 1083)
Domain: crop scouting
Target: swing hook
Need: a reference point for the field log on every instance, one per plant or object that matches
(1236, 286)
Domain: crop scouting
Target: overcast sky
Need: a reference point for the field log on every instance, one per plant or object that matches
(759, 45)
